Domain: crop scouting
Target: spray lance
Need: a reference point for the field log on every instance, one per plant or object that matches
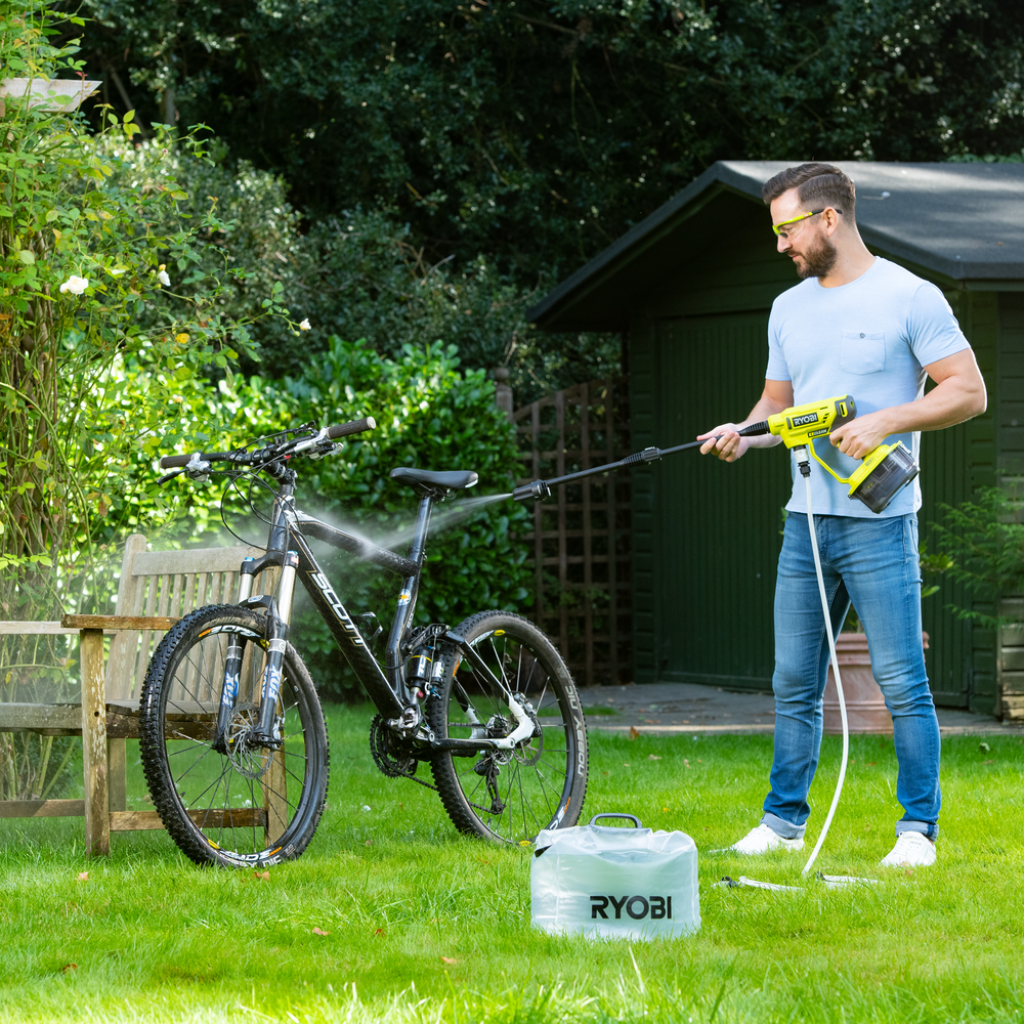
(880, 476)
(883, 472)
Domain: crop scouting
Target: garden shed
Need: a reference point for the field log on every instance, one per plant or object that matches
(690, 288)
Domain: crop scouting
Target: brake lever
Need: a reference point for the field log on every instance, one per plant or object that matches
(198, 469)
(315, 447)
(169, 476)
(323, 449)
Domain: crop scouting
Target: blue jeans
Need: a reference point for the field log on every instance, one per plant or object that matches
(873, 563)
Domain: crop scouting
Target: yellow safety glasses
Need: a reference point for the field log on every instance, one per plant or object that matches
(778, 228)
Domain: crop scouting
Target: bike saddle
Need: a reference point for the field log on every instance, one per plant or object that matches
(454, 480)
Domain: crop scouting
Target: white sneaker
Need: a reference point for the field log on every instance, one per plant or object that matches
(912, 850)
(763, 840)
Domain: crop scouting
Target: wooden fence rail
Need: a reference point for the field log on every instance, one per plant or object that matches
(580, 540)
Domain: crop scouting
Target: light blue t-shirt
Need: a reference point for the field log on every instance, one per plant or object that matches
(870, 339)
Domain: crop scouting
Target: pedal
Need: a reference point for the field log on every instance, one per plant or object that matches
(408, 721)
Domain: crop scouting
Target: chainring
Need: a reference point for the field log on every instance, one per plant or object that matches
(389, 753)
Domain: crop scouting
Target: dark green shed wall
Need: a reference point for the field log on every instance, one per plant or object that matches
(706, 535)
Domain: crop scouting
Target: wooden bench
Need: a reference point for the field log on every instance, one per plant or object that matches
(156, 589)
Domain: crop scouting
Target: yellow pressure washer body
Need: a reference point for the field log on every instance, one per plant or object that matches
(882, 474)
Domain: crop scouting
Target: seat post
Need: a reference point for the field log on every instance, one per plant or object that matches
(422, 525)
(407, 600)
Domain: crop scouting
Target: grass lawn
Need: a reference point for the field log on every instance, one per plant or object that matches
(392, 916)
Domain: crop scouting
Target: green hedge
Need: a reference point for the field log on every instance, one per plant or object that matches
(430, 416)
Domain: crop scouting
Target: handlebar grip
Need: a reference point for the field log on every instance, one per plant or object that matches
(175, 461)
(355, 427)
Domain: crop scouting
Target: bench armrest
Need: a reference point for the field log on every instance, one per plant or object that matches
(116, 622)
(34, 629)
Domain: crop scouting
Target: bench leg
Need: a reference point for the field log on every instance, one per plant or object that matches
(94, 744)
(117, 777)
(275, 802)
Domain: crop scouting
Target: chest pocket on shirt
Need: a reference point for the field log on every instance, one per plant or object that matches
(862, 353)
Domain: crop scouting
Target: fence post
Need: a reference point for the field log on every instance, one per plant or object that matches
(502, 390)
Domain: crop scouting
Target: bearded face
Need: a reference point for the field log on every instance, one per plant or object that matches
(817, 259)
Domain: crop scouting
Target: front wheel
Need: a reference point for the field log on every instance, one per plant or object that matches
(243, 804)
(509, 795)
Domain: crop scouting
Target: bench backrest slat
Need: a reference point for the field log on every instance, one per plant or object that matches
(172, 583)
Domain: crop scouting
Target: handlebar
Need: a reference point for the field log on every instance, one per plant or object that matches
(298, 445)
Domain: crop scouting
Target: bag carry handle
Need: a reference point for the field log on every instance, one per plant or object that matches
(629, 817)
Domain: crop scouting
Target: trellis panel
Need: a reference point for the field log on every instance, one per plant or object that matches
(580, 541)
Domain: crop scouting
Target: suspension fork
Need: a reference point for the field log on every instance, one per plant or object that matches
(278, 619)
(267, 732)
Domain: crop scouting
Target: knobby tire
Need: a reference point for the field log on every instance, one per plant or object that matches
(252, 807)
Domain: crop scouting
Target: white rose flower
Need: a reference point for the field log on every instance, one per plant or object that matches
(164, 279)
(305, 325)
(75, 285)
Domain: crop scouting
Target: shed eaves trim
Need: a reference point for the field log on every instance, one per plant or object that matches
(963, 221)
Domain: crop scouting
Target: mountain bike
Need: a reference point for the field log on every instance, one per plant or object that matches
(234, 745)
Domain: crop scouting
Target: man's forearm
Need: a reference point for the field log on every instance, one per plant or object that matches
(959, 394)
(952, 401)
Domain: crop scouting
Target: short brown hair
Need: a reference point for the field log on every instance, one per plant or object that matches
(816, 185)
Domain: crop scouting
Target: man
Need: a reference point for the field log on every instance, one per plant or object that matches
(860, 325)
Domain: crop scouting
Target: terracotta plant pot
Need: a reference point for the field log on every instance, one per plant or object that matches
(865, 705)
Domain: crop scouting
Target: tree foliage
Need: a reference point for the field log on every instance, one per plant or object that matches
(104, 323)
(357, 274)
(537, 131)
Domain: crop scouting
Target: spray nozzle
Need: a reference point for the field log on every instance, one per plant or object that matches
(754, 429)
(536, 489)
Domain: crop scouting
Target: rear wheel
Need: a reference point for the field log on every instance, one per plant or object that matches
(246, 805)
(509, 795)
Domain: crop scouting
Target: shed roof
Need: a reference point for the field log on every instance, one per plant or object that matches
(964, 222)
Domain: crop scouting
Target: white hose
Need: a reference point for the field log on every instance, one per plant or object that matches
(839, 682)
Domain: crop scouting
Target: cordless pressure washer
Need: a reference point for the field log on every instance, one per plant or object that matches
(884, 471)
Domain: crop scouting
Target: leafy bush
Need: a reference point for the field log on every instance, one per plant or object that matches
(985, 540)
(429, 415)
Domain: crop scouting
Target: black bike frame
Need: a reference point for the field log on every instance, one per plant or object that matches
(388, 689)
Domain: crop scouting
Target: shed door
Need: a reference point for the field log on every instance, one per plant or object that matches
(717, 526)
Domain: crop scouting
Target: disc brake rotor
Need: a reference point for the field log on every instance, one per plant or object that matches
(248, 760)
